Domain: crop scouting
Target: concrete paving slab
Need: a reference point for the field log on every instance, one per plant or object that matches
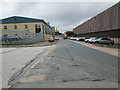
(16, 58)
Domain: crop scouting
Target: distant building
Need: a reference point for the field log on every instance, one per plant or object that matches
(17, 23)
(57, 33)
(105, 24)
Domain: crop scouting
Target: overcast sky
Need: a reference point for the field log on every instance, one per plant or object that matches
(63, 15)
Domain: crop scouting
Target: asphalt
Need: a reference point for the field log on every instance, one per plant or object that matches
(71, 65)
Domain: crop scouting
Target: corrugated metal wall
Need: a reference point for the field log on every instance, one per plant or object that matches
(105, 21)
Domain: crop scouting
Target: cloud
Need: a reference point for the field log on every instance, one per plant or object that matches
(64, 15)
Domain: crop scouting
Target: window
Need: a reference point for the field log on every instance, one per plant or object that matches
(15, 26)
(5, 27)
(51, 38)
(26, 26)
(105, 39)
(102, 38)
(37, 28)
(15, 19)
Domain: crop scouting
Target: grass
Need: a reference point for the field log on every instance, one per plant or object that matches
(109, 45)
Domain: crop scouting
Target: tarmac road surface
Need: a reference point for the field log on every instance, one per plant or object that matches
(69, 65)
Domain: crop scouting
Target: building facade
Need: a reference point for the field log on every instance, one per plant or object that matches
(17, 23)
(105, 24)
(57, 33)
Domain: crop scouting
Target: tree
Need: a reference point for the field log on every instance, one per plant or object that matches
(70, 33)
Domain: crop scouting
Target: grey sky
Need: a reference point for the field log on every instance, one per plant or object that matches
(63, 15)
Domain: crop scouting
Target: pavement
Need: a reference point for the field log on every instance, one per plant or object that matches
(112, 51)
(68, 65)
(14, 59)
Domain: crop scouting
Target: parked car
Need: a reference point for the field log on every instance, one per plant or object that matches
(77, 38)
(64, 37)
(51, 39)
(56, 38)
(103, 41)
(86, 39)
(72, 38)
(90, 40)
(81, 39)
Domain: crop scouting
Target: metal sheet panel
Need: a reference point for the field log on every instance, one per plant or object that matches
(105, 21)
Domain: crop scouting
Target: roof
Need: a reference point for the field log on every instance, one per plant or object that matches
(18, 19)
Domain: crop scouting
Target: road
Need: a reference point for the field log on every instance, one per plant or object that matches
(69, 65)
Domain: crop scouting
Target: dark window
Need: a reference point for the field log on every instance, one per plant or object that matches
(102, 38)
(26, 26)
(5, 27)
(15, 19)
(105, 39)
(37, 28)
(15, 26)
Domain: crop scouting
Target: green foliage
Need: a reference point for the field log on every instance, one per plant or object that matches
(70, 33)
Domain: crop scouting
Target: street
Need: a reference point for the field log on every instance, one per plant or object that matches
(65, 64)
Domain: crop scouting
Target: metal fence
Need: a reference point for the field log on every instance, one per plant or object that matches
(24, 36)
